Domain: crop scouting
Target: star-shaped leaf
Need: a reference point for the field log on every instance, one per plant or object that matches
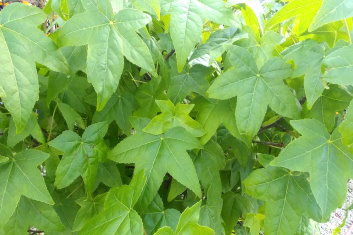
(118, 215)
(346, 128)
(187, 18)
(326, 159)
(287, 195)
(173, 116)
(109, 37)
(158, 155)
(79, 155)
(20, 176)
(255, 90)
(21, 45)
(188, 224)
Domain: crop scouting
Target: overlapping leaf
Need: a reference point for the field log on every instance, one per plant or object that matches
(255, 90)
(118, 215)
(80, 155)
(158, 155)
(326, 159)
(21, 45)
(186, 22)
(109, 37)
(288, 197)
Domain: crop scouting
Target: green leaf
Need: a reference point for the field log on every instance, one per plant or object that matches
(188, 224)
(109, 37)
(324, 157)
(255, 90)
(118, 215)
(346, 127)
(308, 57)
(156, 216)
(20, 176)
(332, 10)
(158, 155)
(119, 108)
(213, 113)
(173, 116)
(288, 197)
(303, 11)
(208, 164)
(32, 128)
(326, 108)
(21, 45)
(186, 23)
(219, 42)
(33, 213)
(78, 154)
(71, 117)
(339, 66)
(183, 84)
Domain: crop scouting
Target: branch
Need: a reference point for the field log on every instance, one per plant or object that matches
(270, 144)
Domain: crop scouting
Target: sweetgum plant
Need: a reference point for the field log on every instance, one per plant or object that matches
(174, 116)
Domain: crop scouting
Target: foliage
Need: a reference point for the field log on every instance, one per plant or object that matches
(175, 116)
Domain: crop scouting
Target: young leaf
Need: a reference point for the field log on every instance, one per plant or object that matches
(324, 157)
(188, 224)
(158, 155)
(173, 116)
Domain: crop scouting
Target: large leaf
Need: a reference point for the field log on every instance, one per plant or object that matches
(324, 157)
(255, 90)
(288, 197)
(158, 155)
(109, 37)
(186, 21)
(21, 45)
(20, 176)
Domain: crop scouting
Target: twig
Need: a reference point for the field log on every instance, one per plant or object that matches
(32, 231)
(271, 144)
(169, 54)
(51, 122)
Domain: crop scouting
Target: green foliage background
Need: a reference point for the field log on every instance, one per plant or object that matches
(175, 116)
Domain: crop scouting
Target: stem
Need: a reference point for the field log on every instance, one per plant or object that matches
(51, 122)
(348, 32)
